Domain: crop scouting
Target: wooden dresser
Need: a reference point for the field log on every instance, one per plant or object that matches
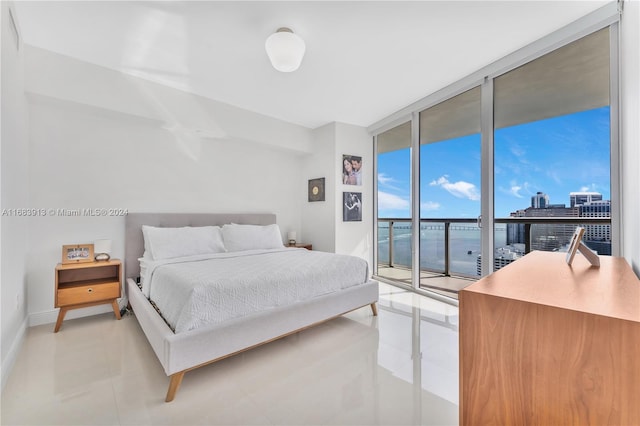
(545, 343)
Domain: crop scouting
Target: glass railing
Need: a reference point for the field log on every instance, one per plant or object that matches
(452, 247)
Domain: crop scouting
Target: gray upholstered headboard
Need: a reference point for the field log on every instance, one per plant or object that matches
(134, 242)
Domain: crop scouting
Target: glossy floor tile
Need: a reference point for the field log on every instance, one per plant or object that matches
(398, 368)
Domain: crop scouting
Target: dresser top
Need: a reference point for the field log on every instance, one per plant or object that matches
(544, 278)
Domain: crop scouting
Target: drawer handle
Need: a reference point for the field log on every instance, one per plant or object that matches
(89, 290)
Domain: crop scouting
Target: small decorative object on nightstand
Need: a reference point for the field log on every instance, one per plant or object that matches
(80, 285)
(291, 236)
(102, 250)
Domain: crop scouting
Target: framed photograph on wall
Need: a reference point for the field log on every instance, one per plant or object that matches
(351, 170)
(352, 206)
(77, 253)
(316, 189)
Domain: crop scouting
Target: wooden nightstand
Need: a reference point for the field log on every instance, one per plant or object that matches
(80, 285)
(301, 245)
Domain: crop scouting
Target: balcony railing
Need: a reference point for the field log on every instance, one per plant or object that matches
(549, 233)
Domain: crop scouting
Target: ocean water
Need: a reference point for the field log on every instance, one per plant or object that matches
(464, 246)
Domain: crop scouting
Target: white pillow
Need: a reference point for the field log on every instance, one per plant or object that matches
(167, 243)
(251, 237)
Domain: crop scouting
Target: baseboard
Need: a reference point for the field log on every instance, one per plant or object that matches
(50, 317)
(12, 355)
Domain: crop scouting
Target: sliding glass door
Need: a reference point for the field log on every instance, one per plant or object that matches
(450, 170)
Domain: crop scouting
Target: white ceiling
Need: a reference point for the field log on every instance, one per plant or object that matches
(364, 60)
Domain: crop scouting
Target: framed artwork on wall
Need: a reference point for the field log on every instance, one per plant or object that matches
(316, 189)
(352, 206)
(351, 170)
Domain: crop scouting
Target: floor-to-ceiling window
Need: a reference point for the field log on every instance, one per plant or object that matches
(450, 240)
(393, 163)
(549, 124)
(552, 150)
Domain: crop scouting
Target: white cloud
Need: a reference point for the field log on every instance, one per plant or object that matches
(383, 179)
(388, 201)
(515, 188)
(429, 205)
(460, 189)
(554, 176)
(517, 150)
(589, 188)
(515, 191)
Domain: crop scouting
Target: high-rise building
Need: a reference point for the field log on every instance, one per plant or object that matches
(545, 237)
(515, 231)
(540, 200)
(502, 257)
(597, 237)
(580, 198)
(552, 237)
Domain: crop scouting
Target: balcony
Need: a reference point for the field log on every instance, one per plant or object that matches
(450, 248)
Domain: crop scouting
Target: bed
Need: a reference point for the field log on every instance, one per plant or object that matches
(197, 344)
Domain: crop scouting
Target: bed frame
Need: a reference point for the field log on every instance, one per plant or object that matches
(182, 352)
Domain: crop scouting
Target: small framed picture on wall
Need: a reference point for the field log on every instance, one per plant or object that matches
(352, 206)
(316, 189)
(351, 170)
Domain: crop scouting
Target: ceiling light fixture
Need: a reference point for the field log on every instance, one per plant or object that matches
(285, 50)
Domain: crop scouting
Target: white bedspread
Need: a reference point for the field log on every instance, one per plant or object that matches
(191, 292)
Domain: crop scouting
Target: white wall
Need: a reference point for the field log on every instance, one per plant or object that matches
(14, 195)
(355, 238)
(318, 226)
(322, 222)
(112, 151)
(183, 114)
(630, 131)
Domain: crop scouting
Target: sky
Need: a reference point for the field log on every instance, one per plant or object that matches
(555, 156)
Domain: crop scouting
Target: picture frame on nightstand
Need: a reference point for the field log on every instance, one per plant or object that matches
(77, 253)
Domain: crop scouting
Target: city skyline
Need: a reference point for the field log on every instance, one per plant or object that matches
(556, 156)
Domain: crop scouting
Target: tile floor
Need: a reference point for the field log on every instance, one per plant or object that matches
(437, 283)
(398, 368)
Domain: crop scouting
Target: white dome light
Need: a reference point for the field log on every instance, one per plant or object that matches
(285, 50)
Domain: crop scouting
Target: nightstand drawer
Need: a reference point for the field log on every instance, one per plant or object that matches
(88, 293)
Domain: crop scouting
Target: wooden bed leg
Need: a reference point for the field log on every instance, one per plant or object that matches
(374, 309)
(174, 385)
